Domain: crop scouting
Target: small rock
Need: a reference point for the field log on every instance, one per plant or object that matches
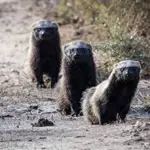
(1, 104)
(15, 72)
(42, 123)
(42, 138)
(6, 116)
(33, 107)
(78, 32)
(138, 139)
(39, 111)
(80, 136)
(136, 134)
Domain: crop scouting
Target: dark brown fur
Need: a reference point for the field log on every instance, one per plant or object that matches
(76, 77)
(44, 57)
(111, 98)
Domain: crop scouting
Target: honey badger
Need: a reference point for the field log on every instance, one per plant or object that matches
(111, 98)
(78, 74)
(44, 55)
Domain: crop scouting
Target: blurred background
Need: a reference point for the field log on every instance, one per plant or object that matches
(117, 29)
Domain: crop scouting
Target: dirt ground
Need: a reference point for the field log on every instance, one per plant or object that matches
(22, 105)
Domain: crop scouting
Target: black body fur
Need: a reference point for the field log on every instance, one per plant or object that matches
(111, 99)
(45, 57)
(77, 76)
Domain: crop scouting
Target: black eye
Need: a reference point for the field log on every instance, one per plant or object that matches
(134, 69)
(37, 29)
(84, 51)
(72, 50)
(122, 69)
(51, 30)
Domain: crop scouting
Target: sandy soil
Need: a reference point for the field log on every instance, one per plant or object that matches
(21, 104)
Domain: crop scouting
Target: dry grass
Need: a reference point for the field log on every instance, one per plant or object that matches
(124, 24)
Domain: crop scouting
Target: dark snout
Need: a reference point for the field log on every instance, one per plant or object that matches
(79, 55)
(80, 58)
(131, 73)
(44, 34)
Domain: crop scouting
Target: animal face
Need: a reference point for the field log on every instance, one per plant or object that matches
(127, 73)
(45, 30)
(78, 51)
(128, 70)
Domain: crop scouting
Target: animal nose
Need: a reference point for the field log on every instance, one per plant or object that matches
(129, 73)
(76, 54)
(126, 73)
(42, 32)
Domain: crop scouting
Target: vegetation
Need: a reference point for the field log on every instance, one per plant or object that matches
(129, 14)
(126, 21)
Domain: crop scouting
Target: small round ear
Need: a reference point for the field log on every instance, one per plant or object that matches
(89, 46)
(34, 24)
(55, 25)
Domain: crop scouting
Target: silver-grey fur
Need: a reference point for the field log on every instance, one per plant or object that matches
(111, 98)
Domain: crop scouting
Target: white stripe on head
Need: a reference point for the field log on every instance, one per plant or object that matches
(128, 63)
(44, 24)
(77, 44)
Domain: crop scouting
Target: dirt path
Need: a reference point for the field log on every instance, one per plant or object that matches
(21, 104)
